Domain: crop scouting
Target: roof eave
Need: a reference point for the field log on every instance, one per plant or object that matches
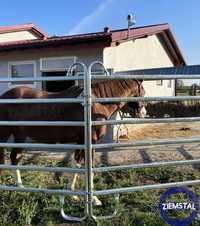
(180, 60)
(34, 44)
(25, 27)
(39, 33)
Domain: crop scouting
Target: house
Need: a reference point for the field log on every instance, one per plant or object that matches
(25, 50)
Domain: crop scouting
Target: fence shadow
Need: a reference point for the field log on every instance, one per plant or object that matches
(145, 156)
(184, 152)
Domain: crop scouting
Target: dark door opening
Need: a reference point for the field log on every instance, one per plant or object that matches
(56, 86)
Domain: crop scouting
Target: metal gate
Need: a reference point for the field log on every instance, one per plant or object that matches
(88, 170)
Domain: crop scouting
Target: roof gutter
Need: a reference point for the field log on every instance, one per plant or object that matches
(106, 40)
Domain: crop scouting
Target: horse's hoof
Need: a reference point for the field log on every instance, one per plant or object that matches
(20, 185)
(96, 201)
(75, 198)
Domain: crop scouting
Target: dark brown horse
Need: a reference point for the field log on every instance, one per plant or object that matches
(64, 112)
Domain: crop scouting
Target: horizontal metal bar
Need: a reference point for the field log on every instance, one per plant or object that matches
(41, 100)
(145, 121)
(146, 165)
(54, 147)
(100, 100)
(39, 79)
(42, 123)
(161, 98)
(147, 143)
(146, 187)
(42, 168)
(146, 77)
(132, 148)
(110, 77)
(41, 190)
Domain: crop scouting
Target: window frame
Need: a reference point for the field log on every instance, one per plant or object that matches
(56, 58)
(159, 82)
(13, 63)
(169, 84)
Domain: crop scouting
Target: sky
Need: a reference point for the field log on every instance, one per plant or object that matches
(64, 17)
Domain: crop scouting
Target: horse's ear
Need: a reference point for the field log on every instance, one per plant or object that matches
(141, 80)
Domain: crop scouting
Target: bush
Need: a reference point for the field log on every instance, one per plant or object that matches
(179, 109)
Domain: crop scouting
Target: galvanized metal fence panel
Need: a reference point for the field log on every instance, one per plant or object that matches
(88, 169)
(150, 77)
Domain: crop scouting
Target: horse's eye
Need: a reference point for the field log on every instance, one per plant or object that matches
(132, 104)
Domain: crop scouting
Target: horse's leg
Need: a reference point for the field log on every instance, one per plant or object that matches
(15, 157)
(73, 178)
(2, 158)
(96, 201)
(72, 185)
(4, 135)
(79, 156)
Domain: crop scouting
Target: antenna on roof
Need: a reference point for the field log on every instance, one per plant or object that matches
(131, 22)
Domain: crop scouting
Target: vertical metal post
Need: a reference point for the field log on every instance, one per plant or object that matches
(62, 198)
(90, 169)
(88, 142)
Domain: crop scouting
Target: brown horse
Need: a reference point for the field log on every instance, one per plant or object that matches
(64, 112)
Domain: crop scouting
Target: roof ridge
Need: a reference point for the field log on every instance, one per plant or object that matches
(28, 26)
(112, 31)
(18, 25)
(140, 27)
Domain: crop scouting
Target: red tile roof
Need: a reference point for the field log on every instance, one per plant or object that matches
(114, 37)
(55, 41)
(24, 27)
(138, 32)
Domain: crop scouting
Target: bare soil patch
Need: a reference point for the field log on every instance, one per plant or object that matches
(163, 131)
(140, 154)
(158, 153)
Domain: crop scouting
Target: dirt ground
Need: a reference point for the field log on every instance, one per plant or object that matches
(157, 153)
(163, 131)
(143, 154)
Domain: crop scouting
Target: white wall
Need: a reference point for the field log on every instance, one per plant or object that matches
(142, 53)
(16, 36)
(85, 55)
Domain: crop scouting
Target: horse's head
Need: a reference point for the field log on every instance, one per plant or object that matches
(136, 108)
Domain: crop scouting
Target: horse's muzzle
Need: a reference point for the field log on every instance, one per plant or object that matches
(142, 113)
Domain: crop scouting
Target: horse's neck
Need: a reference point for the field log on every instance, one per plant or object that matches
(112, 109)
(104, 111)
(111, 89)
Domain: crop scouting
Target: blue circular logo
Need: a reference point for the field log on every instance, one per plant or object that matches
(192, 206)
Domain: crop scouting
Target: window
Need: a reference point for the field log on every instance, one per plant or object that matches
(159, 82)
(169, 85)
(25, 69)
(56, 63)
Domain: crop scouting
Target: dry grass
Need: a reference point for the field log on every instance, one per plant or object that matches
(157, 153)
(163, 131)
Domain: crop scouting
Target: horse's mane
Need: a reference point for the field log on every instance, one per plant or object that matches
(109, 88)
(73, 91)
(112, 88)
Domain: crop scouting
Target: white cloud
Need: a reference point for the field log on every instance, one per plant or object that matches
(87, 20)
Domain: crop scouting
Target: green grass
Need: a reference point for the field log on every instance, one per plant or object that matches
(134, 209)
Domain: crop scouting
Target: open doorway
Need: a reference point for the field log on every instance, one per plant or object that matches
(56, 86)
